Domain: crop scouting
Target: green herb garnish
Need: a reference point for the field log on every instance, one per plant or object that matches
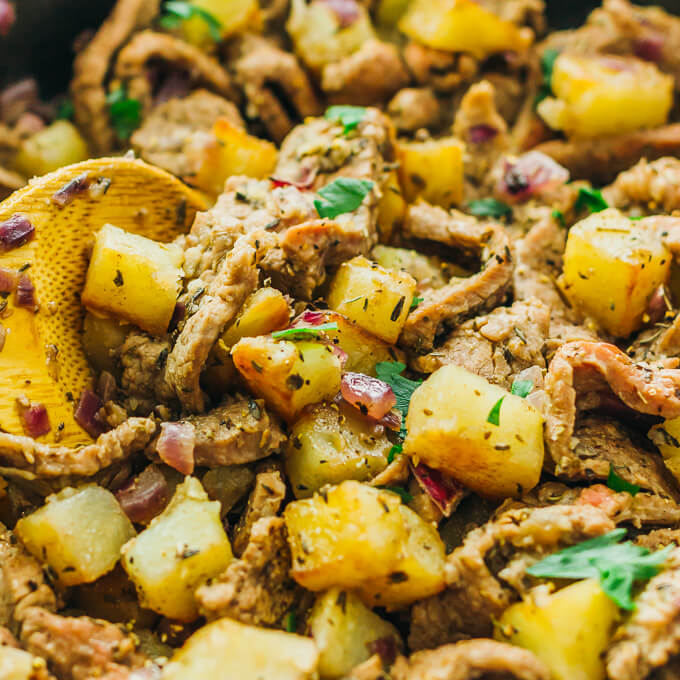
(126, 114)
(348, 116)
(406, 497)
(521, 388)
(548, 59)
(559, 216)
(177, 11)
(489, 207)
(415, 302)
(590, 199)
(304, 333)
(494, 416)
(342, 195)
(616, 565)
(397, 449)
(65, 110)
(290, 622)
(616, 483)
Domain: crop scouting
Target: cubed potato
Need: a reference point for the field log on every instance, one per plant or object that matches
(364, 350)
(376, 298)
(233, 152)
(288, 375)
(78, 533)
(234, 16)
(228, 484)
(328, 445)
(606, 95)
(181, 549)
(449, 430)
(228, 650)
(17, 664)
(344, 536)
(344, 630)
(51, 148)
(390, 11)
(666, 436)
(429, 271)
(419, 571)
(462, 26)
(133, 278)
(612, 265)
(102, 336)
(432, 170)
(391, 207)
(318, 35)
(568, 630)
(263, 312)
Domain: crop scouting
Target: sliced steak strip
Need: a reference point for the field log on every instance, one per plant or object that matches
(256, 589)
(443, 308)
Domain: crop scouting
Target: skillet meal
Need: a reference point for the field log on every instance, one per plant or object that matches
(340, 339)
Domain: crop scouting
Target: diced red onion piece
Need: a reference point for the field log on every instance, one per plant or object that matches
(144, 496)
(385, 648)
(175, 446)
(478, 134)
(7, 17)
(86, 413)
(68, 192)
(177, 316)
(391, 420)
(8, 280)
(34, 419)
(346, 11)
(29, 124)
(444, 492)
(304, 181)
(658, 305)
(529, 175)
(17, 99)
(25, 293)
(176, 84)
(371, 396)
(308, 318)
(106, 386)
(341, 354)
(649, 48)
(15, 232)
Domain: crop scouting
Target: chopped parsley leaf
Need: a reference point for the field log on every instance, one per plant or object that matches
(406, 497)
(396, 450)
(290, 621)
(348, 116)
(342, 195)
(126, 114)
(616, 483)
(304, 333)
(548, 59)
(521, 388)
(590, 199)
(494, 416)
(415, 302)
(489, 207)
(559, 216)
(177, 11)
(65, 110)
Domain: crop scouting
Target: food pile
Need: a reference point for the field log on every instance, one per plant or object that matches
(340, 340)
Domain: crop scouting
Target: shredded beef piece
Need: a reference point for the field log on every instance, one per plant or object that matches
(92, 65)
(265, 500)
(80, 648)
(444, 307)
(414, 108)
(22, 583)
(132, 62)
(442, 71)
(496, 346)
(601, 159)
(274, 83)
(651, 636)
(235, 278)
(488, 572)
(256, 589)
(591, 367)
(29, 456)
(368, 77)
(7, 639)
(238, 432)
(659, 538)
(472, 659)
(174, 130)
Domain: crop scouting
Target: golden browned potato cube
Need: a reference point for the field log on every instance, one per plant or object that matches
(133, 278)
(344, 629)
(612, 265)
(378, 299)
(428, 270)
(462, 26)
(228, 650)
(328, 445)
(344, 536)
(102, 336)
(457, 423)
(666, 436)
(569, 630)
(78, 533)
(17, 664)
(263, 312)
(180, 550)
(233, 152)
(432, 170)
(234, 16)
(599, 95)
(51, 148)
(288, 375)
(419, 571)
(391, 207)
